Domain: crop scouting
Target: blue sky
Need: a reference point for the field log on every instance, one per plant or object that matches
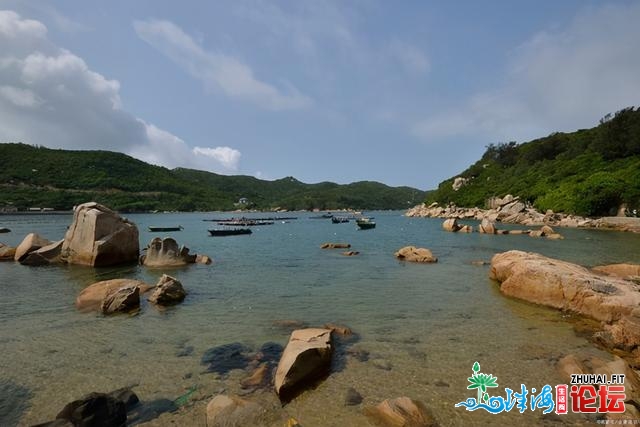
(406, 93)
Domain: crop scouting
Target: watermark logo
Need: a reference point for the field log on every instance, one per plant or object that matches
(587, 394)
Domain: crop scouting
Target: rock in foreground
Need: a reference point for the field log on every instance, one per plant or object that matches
(306, 358)
(566, 286)
(95, 409)
(401, 412)
(93, 296)
(100, 237)
(225, 411)
(413, 254)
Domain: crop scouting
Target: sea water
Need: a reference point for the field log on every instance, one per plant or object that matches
(423, 326)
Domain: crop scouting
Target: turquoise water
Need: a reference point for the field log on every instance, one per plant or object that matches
(427, 323)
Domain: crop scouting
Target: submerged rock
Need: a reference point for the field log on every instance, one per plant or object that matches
(401, 412)
(224, 358)
(95, 410)
(168, 291)
(335, 246)
(352, 397)
(99, 237)
(225, 411)
(306, 358)
(413, 254)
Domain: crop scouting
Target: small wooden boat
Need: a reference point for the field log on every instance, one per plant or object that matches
(229, 231)
(365, 223)
(156, 229)
(4, 230)
(339, 219)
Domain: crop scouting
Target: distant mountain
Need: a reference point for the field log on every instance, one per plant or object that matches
(588, 172)
(59, 179)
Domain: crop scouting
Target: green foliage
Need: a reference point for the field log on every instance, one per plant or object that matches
(587, 172)
(41, 177)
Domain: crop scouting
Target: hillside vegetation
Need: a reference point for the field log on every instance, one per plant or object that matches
(59, 179)
(587, 172)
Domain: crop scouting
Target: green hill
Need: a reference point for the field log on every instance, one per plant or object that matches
(587, 172)
(42, 177)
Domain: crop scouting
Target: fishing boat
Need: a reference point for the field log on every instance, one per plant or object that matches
(365, 223)
(339, 219)
(156, 229)
(229, 231)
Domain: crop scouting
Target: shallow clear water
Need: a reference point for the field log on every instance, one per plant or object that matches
(428, 323)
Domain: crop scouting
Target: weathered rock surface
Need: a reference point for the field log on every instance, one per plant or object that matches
(49, 254)
(30, 243)
(465, 229)
(232, 411)
(168, 291)
(203, 259)
(341, 330)
(451, 224)
(401, 412)
(487, 227)
(351, 253)
(7, 253)
(306, 358)
(122, 300)
(100, 237)
(91, 297)
(95, 410)
(335, 246)
(624, 271)
(413, 254)
(566, 286)
(166, 253)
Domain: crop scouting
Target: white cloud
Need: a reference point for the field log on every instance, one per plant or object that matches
(227, 156)
(49, 96)
(558, 80)
(218, 72)
(409, 56)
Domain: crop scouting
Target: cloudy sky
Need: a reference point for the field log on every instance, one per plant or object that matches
(407, 93)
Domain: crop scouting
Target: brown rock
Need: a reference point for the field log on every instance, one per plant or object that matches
(168, 291)
(225, 411)
(306, 358)
(546, 230)
(99, 237)
(203, 259)
(350, 253)
(535, 233)
(451, 224)
(401, 412)
(7, 253)
(342, 330)
(122, 300)
(92, 296)
(465, 229)
(166, 253)
(30, 243)
(335, 246)
(624, 271)
(487, 227)
(479, 262)
(413, 254)
(518, 232)
(49, 254)
(259, 377)
(575, 364)
(570, 287)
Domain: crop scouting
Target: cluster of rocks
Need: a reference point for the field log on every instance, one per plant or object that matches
(340, 246)
(99, 237)
(413, 254)
(509, 210)
(487, 226)
(123, 295)
(608, 294)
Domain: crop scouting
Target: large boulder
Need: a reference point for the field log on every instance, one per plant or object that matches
(401, 412)
(451, 224)
(225, 411)
(306, 358)
(30, 243)
(122, 300)
(512, 208)
(486, 226)
(49, 254)
(166, 253)
(100, 237)
(92, 297)
(570, 287)
(168, 291)
(413, 254)
(7, 253)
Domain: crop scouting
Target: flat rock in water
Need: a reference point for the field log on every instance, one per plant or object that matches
(91, 297)
(413, 254)
(401, 412)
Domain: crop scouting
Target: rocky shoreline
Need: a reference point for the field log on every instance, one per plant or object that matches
(511, 210)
